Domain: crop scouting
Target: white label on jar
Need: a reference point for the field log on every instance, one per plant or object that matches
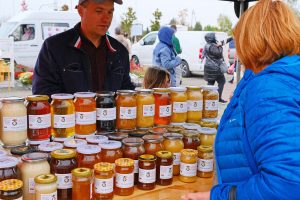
(188, 169)
(195, 105)
(31, 185)
(165, 111)
(147, 175)
(179, 107)
(211, 104)
(124, 180)
(104, 186)
(50, 196)
(127, 112)
(15, 123)
(148, 110)
(64, 181)
(64, 121)
(166, 172)
(136, 166)
(106, 114)
(85, 118)
(39, 121)
(205, 165)
(176, 158)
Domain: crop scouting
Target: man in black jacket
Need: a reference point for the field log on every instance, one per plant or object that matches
(83, 58)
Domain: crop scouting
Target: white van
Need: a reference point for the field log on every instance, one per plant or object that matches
(191, 43)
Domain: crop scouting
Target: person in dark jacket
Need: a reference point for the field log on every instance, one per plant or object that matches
(83, 58)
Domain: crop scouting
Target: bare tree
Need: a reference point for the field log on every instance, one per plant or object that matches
(183, 14)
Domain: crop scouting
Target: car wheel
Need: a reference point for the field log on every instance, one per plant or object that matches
(185, 69)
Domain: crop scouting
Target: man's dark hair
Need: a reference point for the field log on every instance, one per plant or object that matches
(173, 26)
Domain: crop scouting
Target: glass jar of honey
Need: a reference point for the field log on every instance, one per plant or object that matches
(173, 143)
(74, 143)
(96, 139)
(45, 187)
(110, 151)
(153, 144)
(194, 104)
(179, 104)
(63, 115)
(205, 162)
(124, 177)
(164, 168)
(11, 189)
(103, 181)
(163, 110)
(39, 117)
(209, 122)
(8, 168)
(207, 136)
(145, 108)
(188, 165)
(85, 113)
(190, 139)
(106, 112)
(88, 155)
(147, 172)
(210, 101)
(81, 179)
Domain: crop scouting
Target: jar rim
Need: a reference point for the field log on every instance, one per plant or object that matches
(133, 141)
(152, 138)
(62, 96)
(37, 142)
(34, 157)
(193, 87)
(85, 94)
(96, 139)
(105, 94)
(12, 99)
(173, 136)
(144, 91)
(126, 92)
(8, 161)
(147, 157)
(178, 89)
(191, 126)
(206, 130)
(73, 143)
(209, 87)
(58, 139)
(205, 148)
(110, 144)
(37, 98)
(82, 172)
(117, 136)
(189, 152)
(63, 154)
(50, 146)
(45, 179)
(161, 90)
(89, 149)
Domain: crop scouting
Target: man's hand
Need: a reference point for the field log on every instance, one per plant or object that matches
(196, 196)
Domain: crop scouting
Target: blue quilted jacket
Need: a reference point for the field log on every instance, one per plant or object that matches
(258, 143)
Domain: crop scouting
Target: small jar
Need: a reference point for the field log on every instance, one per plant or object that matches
(124, 177)
(74, 143)
(162, 106)
(106, 112)
(96, 139)
(205, 162)
(8, 168)
(85, 113)
(188, 165)
(88, 155)
(164, 168)
(207, 136)
(209, 122)
(11, 189)
(82, 180)
(18, 152)
(179, 104)
(39, 117)
(63, 115)
(110, 151)
(103, 181)
(194, 104)
(126, 110)
(45, 187)
(191, 126)
(35, 143)
(63, 161)
(153, 144)
(13, 120)
(190, 139)
(158, 130)
(48, 147)
(147, 172)
(173, 143)
(118, 136)
(33, 164)
(145, 108)
(210, 101)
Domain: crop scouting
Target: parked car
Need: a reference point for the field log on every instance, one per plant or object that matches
(232, 51)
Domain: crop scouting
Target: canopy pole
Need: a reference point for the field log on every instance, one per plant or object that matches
(238, 64)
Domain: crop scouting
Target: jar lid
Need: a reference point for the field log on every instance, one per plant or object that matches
(103, 167)
(164, 154)
(208, 131)
(19, 151)
(126, 92)
(85, 94)
(45, 179)
(144, 91)
(63, 154)
(34, 157)
(11, 99)
(96, 139)
(178, 89)
(110, 144)
(158, 130)
(50, 146)
(138, 133)
(175, 129)
(191, 126)
(214, 120)
(82, 172)
(190, 133)
(124, 162)
(89, 149)
(8, 161)
(13, 146)
(133, 141)
(193, 87)
(79, 136)
(37, 98)
(153, 138)
(189, 152)
(209, 87)
(3, 153)
(177, 124)
(119, 136)
(105, 94)
(147, 157)
(173, 136)
(58, 139)
(205, 149)
(37, 142)
(10, 184)
(74, 143)
(62, 96)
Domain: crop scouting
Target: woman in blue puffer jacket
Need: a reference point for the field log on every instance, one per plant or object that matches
(257, 147)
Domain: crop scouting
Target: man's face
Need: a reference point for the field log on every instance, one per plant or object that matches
(96, 17)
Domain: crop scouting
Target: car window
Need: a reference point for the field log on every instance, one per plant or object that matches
(24, 32)
(150, 39)
(49, 29)
(231, 44)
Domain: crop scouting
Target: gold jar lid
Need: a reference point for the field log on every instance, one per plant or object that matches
(189, 152)
(103, 167)
(164, 154)
(124, 162)
(37, 98)
(10, 184)
(147, 157)
(82, 172)
(205, 149)
(45, 179)
(161, 90)
(194, 88)
(63, 154)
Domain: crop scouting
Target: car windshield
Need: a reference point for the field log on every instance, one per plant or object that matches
(6, 29)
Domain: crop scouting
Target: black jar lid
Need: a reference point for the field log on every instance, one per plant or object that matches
(19, 151)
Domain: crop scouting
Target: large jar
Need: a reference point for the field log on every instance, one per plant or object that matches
(11, 189)
(205, 162)
(145, 108)
(126, 109)
(88, 155)
(153, 144)
(124, 177)
(207, 136)
(63, 115)
(45, 187)
(173, 143)
(33, 164)
(179, 104)
(162, 106)
(194, 104)
(164, 168)
(81, 179)
(13, 121)
(63, 161)
(85, 114)
(190, 139)
(106, 112)
(39, 117)
(74, 143)
(8, 168)
(110, 151)
(188, 165)
(103, 181)
(147, 172)
(210, 101)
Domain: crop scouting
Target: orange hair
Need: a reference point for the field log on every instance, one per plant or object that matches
(155, 77)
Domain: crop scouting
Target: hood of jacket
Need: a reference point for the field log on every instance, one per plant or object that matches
(210, 38)
(165, 35)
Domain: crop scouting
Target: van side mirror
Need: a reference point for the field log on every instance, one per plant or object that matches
(142, 42)
(15, 38)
